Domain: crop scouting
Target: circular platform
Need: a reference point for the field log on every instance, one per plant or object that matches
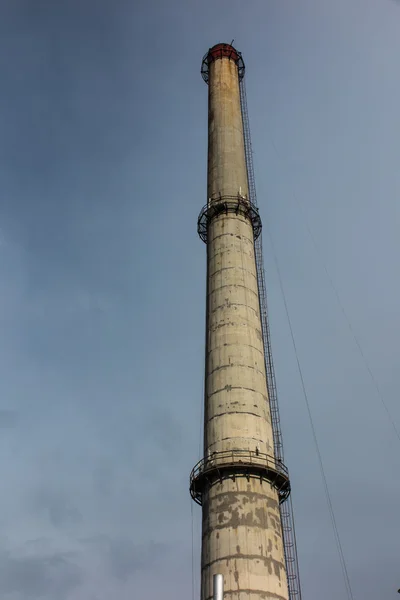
(221, 51)
(225, 205)
(230, 464)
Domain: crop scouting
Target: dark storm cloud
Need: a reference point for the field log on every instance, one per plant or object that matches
(124, 558)
(169, 432)
(57, 506)
(104, 478)
(47, 577)
(103, 119)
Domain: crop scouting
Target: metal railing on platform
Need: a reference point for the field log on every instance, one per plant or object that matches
(239, 463)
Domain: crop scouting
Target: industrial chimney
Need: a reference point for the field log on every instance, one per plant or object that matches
(240, 482)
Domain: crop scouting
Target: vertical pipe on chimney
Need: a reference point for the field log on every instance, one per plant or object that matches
(218, 587)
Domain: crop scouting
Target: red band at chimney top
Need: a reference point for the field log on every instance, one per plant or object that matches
(222, 51)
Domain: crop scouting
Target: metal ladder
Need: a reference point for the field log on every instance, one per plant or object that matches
(286, 509)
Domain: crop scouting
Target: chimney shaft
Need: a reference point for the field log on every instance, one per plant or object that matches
(239, 483)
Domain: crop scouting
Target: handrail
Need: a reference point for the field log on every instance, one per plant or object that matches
(225, 205)
(239, 463)
(243, 457)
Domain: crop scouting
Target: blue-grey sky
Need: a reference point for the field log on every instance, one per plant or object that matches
(103, 141)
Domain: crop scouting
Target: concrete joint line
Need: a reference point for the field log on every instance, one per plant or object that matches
(237, 268)
(235, 412)
(234, 286)
(235, 345)
(237, 388)
(259, 595)
(233, 365)
(225, 306)
(239, 556)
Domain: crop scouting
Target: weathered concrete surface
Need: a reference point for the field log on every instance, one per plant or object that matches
(226, 158)
(242, 536)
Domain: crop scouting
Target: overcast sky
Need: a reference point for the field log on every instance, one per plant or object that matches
(103, 141)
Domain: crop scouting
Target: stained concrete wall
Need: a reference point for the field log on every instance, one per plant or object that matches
(226, 159)
(242, 536)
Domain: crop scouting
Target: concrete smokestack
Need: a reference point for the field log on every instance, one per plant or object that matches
(239, 482)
